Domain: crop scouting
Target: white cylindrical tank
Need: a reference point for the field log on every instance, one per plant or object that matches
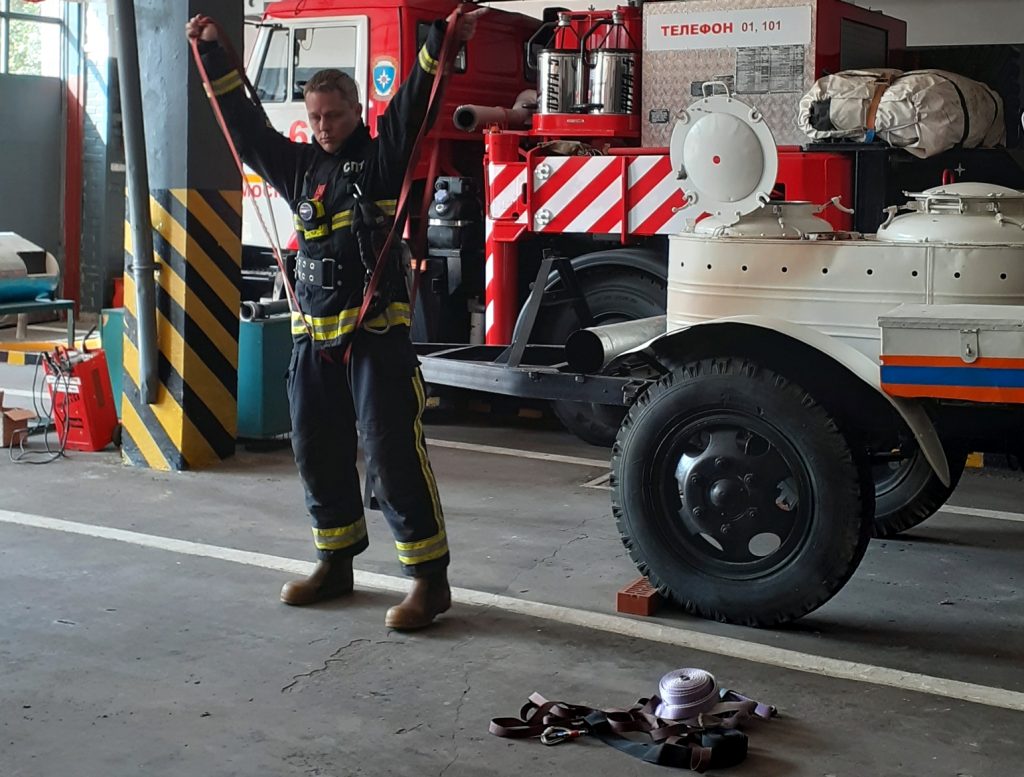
(839, 287)
(961, 214)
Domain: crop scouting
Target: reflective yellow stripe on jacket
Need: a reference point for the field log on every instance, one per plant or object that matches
(327, 328)
(225, 84)
(340, 220)
(427, 62)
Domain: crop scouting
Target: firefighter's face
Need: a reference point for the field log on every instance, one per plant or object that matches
(332, 118)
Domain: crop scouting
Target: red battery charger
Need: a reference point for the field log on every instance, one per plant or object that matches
(82, 400)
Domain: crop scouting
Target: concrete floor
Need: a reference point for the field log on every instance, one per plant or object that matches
(121, 659)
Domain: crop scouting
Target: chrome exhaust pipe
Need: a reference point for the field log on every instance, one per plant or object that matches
(591, 350)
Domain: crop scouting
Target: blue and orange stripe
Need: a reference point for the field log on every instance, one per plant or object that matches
(992, 380)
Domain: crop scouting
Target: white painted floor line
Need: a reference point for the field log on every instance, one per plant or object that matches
(62, 329)
(8, 392)
(603, 482)
(610, 624)
(516, 452)
(975, 512)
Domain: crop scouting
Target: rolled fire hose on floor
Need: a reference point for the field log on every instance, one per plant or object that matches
(686, 693)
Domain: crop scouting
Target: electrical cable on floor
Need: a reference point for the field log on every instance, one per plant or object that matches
(45, 416)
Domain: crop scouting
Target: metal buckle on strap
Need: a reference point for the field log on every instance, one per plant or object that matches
(316, 272)
(556, 735)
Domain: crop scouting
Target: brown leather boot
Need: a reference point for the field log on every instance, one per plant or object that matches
(329, 580)
(428, 598)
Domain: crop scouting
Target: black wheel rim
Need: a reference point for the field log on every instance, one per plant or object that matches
(891, 475)
(731, 493)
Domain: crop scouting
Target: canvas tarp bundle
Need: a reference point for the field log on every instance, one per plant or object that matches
(925, 112)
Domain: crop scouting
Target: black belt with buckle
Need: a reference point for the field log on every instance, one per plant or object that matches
(316, 272)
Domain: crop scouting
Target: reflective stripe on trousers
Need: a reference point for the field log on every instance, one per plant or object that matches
(382, 394)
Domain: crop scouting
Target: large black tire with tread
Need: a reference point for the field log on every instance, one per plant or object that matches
(614, 295)
(912, 493)
(827, 497)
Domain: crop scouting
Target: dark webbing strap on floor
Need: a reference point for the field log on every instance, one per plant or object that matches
(710, 739)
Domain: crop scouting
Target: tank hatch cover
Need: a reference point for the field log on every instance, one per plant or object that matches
(725, 158)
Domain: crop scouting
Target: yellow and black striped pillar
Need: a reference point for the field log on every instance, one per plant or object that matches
(195, 204)
(198, 253)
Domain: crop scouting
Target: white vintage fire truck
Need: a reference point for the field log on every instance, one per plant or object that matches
(805, 386)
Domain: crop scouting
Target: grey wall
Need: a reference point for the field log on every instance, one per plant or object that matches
(31, 154)
(103, 200)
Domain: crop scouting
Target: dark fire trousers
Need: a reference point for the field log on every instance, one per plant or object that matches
(381, 394)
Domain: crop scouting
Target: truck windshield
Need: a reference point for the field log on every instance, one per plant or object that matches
(317, 48)
(272, 81)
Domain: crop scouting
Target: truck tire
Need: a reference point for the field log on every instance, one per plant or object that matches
(737, 495)
(910, 492)
(614, 295)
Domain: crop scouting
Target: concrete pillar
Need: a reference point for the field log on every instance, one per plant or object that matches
(196, 205)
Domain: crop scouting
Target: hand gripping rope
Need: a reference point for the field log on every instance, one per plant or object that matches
(448, 51)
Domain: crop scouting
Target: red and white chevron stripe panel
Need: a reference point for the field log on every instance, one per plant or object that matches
(585, 195)
(654, 199)
(489, 276)
(578, 194)
(508, 190)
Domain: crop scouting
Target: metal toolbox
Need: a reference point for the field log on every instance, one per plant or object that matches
(973, 353)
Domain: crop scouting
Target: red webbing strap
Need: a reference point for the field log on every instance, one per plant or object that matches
(215, 103)
(448, 50)
(421, 238)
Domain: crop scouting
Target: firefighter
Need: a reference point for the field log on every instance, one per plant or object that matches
(342, 188)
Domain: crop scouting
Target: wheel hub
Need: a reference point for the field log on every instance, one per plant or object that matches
(735, 492)
(727, 496)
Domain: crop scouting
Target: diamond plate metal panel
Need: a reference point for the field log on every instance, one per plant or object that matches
(769, 78)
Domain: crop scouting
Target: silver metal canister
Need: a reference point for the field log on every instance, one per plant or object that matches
(560, 76)
(613, 75)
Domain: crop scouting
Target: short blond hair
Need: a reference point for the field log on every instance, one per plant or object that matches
(333, 80)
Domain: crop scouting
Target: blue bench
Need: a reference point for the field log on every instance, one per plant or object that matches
(44, 305)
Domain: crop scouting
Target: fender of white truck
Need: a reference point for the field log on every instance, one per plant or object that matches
(674, 342)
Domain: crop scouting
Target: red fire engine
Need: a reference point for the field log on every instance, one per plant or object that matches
(553, 138)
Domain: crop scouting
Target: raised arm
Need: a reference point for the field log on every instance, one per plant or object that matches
(274, 157)
(401, 121)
